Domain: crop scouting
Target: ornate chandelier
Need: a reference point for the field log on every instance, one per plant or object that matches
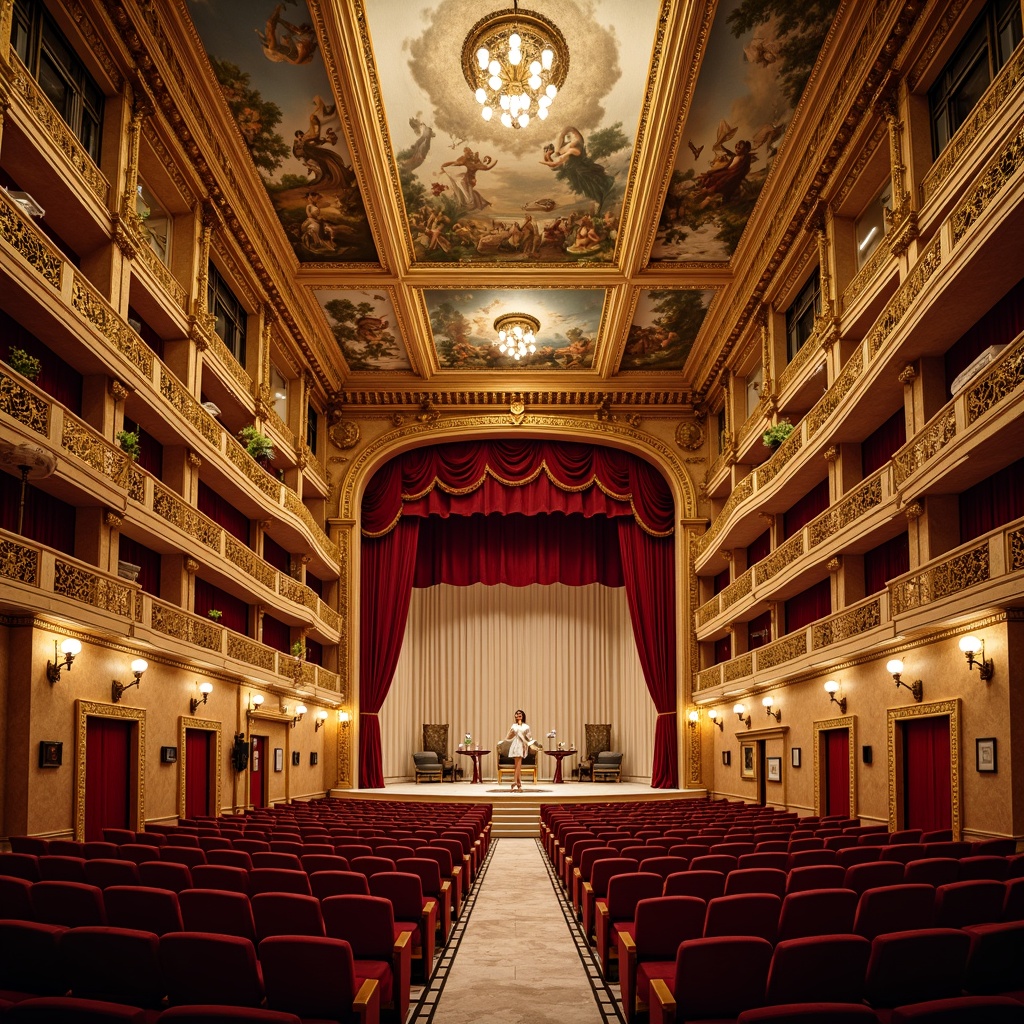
(515, 61)
(516, 334)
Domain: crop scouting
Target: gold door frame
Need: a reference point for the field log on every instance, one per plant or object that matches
(849, 723)
(947, 708)
(85, 709)
(184, 724)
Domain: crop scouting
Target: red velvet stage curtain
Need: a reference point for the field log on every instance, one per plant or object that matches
(388, 565)
(927, 788)
(516, 479)
(813, 503)
(837, 772)
(223, 513)
(107, 773)
(887, 561)
(197, 772)
(809, 605)
(994, 501)
(877, 449)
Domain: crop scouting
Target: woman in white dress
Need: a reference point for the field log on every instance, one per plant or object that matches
(521, 737)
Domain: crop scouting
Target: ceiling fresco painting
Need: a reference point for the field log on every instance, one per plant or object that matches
(664, 327)
(363, 323)
(478, 192)
(462, 324)
(267, 59)
(760, 54)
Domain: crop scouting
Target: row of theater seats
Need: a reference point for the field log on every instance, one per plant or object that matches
(90, 975)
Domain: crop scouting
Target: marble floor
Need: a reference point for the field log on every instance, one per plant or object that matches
(517, 955)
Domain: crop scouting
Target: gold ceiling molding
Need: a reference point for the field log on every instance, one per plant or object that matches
(672, 401)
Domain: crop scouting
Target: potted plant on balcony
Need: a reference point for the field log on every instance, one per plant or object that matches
(28, 366)
(776, 434)
(299, 650)
(215, 614)
(258, 445)
(129, 442)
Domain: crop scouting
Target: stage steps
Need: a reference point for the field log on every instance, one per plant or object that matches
(515, 817)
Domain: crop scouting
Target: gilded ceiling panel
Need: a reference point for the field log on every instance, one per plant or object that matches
(664, 327)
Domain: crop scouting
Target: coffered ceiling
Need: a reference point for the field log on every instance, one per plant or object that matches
(616, 221)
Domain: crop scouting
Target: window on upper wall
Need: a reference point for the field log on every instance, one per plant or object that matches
(312, 427)
(722, 439)
(870, 227)
(755, 380)
(54, 64)
(969, 72)
(801, 314)
(156, 222)
(230, 314)
(279, 392)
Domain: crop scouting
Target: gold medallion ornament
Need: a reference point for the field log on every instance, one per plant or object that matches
(689, 435)
(345, 435)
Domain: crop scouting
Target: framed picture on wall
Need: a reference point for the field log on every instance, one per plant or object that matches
(296, 757)
(795, 757)
(985, 754)
(727, 758)
(278, 759)
(773, 766)
(51, 753)
(748, 761)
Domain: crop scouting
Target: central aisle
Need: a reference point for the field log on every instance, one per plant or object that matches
(520, 960)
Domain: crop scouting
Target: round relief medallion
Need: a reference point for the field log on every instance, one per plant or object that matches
(345, 434)
(689, 435)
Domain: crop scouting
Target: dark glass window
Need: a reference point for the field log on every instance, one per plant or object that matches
(969, 72)
(801, 315)
(60, 74)
(230, 314)
(311, 428)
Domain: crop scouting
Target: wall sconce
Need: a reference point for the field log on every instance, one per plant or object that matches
(300, 710)
(255, 702)
(321, 720)
(205, 689)
(741, 713)
(896, 668)
(768, 702)
(694, 717)
(70, 649)
(971, 645)
(832, 688)
(344, 718)
(716, 718)
(139, 665)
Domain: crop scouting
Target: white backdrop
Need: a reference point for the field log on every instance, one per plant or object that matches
(472, 655)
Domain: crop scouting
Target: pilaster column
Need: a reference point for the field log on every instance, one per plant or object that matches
(902, 219)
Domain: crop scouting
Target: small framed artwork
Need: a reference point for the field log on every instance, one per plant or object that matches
(313, 757)
(296, 757)
(278, 759)
(51, 753)
(727, 758)
(865, 754)
(794, 756)
(773, 770)
(168, 755)
(748, 761)
(985, 754)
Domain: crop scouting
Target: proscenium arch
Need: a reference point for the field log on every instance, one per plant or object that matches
(655, 451)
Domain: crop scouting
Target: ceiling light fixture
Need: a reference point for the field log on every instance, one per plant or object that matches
(517, 334)
(515, 61)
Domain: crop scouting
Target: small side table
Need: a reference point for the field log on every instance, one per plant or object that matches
(476, 753)
(559, 756)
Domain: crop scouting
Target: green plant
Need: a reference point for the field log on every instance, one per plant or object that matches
(258, 445)
(299, 649)
(215, 614)
(28, 366)
(775, 435)
(129, 442)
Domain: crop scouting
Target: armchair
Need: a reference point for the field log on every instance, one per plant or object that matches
(596, 739)
(506, 766)
(427, 766)
(435, 738)
(608, 766)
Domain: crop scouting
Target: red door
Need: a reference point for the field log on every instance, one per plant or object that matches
(108, 775)
(927, 782)
(257, 768)
(837, 771)
(197, 772)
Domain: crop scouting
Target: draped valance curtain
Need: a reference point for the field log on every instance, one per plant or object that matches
(542, 512)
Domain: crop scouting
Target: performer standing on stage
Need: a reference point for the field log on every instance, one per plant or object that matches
(521, 737)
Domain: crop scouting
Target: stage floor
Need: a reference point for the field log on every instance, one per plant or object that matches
(544, 792)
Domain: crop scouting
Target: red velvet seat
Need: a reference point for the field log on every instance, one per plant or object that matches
(117, 965)
(817, 912)
(202, 968)
(372, 865)
(874, 875)
(902, 852)
(69, 1010)
(413, 913)
(934, 871)
(29, 953)
(211, 1014)
(616, 913)
(218, 912)
(231, 858)
(1013, 903)
(165, 874)
(452, 873)
(313, 862)
(762, 859)
(338, 883)
(815, 876)
(55, 868)
(754, 914)
(105, 873)
(138, 852)
(276, 859)
(367, 923)
(961, 1010)
(995, 963)
(315, 978)
(279, 880)
(994, 868)
(743, 880)
(959, 904)
(595, 891)
(705, 885)
(143, 908)
(251, 846)
(713, 862)
(72, 904)
(948, 848)
(809, 1013)
(434, 887)
(35, 845)
(582, 872)
(16, 898)
(894, 908)
(822, 968)
(66, 848)
(20, 865)
(286, 913)
(182, 855)
(220, 876)
(850, 856)
(97, 850)
(352, 850)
